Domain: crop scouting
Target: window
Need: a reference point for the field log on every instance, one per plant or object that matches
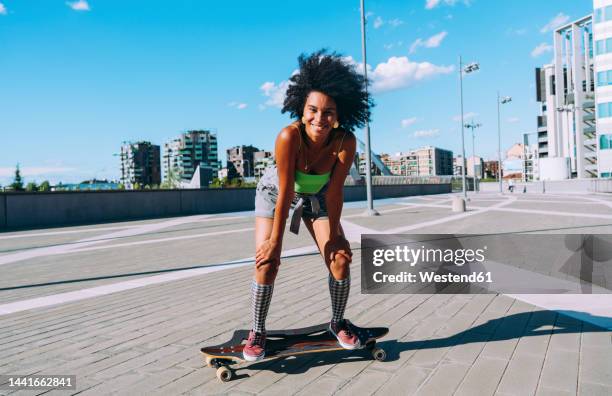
(602, 110)
(601, 79)
(599, 15)
(600, 47)
(605, 142)
(608, 13)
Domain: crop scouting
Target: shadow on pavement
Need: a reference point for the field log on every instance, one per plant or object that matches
(528, 324)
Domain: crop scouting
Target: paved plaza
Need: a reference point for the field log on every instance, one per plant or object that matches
(126, 306)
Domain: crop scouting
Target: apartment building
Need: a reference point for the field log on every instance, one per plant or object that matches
(262, 159)
(191, 149)
(425, 161)
(241, 161)
(567, 145)
(602, 137)
(140, 164)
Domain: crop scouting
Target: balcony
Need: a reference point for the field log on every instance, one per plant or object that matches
(588, 117)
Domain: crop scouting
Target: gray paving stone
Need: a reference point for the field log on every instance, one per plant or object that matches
(593, 389)
(521, 375)
(482, 378)
(444, 379)
(596, 363)
(366, 383)
(560, 371)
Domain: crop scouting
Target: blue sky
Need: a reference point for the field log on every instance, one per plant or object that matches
(80, 77)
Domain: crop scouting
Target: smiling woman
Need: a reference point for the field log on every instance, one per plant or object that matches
(327, 98)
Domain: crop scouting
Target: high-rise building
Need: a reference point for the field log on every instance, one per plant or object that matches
(192, 149)
(241, 162)
(602, 37)
(566, 91)
(262, 159)
(140, 164)
(426, 161)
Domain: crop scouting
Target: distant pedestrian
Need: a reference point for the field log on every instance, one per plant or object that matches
(511, 185)
(328, 100)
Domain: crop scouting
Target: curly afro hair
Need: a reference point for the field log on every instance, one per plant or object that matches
(335, 77)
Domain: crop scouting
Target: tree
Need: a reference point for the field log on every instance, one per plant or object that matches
(31, 187)
(172, 179)
(17, 180)
(44, 186)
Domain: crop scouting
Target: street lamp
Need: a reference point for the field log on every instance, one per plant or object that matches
(473, 126)
(368, 174)
(500, 101)
(472, 67)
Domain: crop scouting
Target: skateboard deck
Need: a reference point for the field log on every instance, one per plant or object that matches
(285, 343)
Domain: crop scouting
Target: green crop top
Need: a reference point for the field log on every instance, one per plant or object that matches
(308, 183)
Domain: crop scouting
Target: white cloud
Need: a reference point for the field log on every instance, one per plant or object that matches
(400, 72)
(79, 5)
(432, 42)
(2, 9)
(540, 49)
(560, 19)
(378, 22)
(431, 4)
(396, 22)
(466, 116)
(408, 121)
(275, 93)
(392, 45)
(237, 105)
(426, 133)
(513, 120)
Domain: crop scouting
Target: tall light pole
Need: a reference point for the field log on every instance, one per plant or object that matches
(370, 211)
(472, 67)
(473, 126)
(500, 101)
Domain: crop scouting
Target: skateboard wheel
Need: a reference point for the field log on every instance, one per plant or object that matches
(379, 354)
(224, 374)
(208, 361)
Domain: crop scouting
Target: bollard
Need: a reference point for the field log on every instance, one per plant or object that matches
(458, 204)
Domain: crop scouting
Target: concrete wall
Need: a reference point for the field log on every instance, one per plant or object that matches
(571, 186)
(2, 212)
(53, 209)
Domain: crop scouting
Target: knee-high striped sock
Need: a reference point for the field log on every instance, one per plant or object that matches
(261, 295)
(339, 292)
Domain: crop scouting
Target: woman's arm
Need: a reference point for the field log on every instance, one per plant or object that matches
(334, 197)
(285, 153)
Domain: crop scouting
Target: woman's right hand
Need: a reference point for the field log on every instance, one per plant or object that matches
(268, 252)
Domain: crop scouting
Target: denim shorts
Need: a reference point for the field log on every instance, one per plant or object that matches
(309, 206)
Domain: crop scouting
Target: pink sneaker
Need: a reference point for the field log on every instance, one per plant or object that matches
(255, 348)
(342, 331)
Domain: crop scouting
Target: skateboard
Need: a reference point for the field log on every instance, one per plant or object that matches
(285, 343)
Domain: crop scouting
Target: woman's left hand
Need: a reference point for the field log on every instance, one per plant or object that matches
(338, 245)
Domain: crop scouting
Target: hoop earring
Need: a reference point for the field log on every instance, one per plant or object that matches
(336, 125)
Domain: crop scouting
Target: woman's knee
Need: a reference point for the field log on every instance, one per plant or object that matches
(341, 260)
(267, 270)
